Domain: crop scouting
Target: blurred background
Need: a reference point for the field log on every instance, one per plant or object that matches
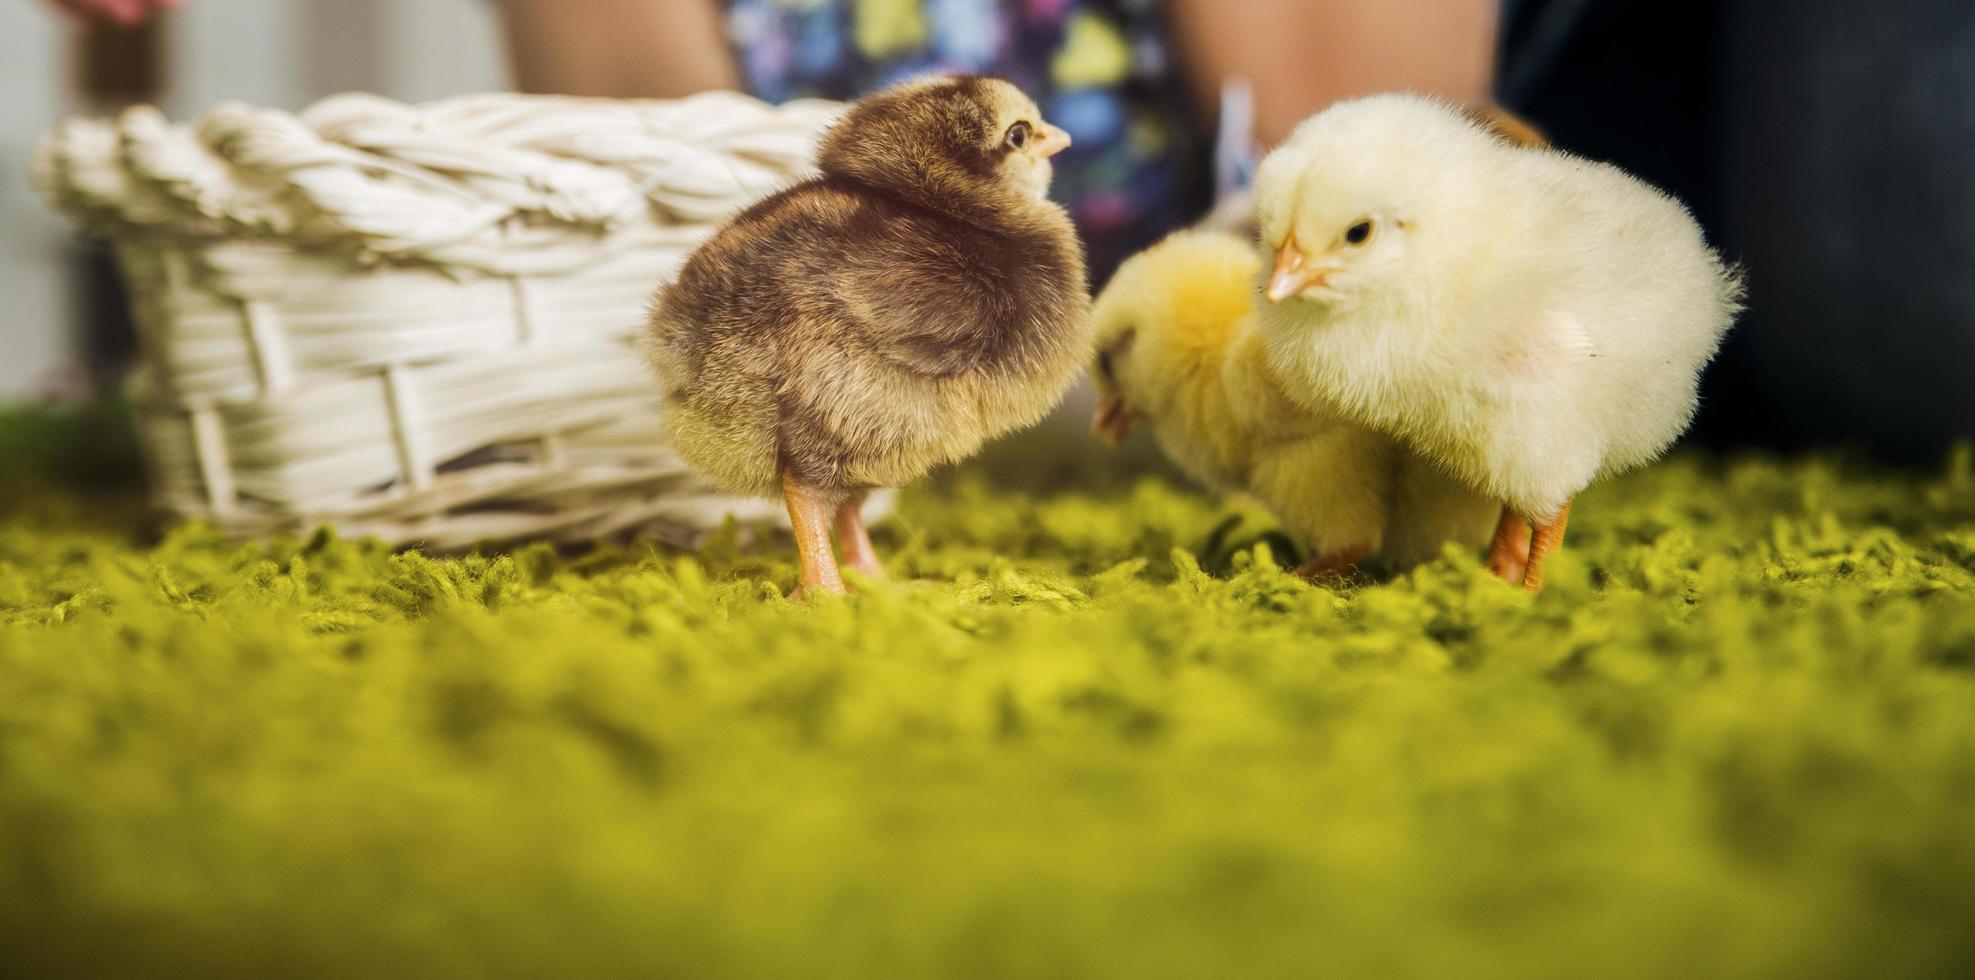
(1826, 145)
(60, 312)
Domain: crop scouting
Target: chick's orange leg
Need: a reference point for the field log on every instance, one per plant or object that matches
(1331, 564)
(1549, 537)
(855, 539)
(1508, 554)
(809, 514)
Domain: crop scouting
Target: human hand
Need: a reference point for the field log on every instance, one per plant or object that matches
(128, 13)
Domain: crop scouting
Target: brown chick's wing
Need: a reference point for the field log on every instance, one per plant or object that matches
(853, 340)
(721, 336)
(938, 295)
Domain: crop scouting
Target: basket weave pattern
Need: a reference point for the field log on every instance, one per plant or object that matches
(415, 321)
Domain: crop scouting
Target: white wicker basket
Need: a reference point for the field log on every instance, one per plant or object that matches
(414, 321)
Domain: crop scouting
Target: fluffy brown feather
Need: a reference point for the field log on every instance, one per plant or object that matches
(916, 298)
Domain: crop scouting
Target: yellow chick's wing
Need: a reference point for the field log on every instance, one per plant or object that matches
(1430, 510)
(1332, 486)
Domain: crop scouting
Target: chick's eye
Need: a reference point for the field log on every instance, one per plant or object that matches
(1104, 365)
(1018, 135)
(1359, 233)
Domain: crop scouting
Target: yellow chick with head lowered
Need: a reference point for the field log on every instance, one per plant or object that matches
(1178, 352)
(1529, 320)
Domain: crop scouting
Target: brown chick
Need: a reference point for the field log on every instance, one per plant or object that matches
(915, 299)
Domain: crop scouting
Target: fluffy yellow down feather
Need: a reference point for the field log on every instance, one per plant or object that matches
(1179, 353)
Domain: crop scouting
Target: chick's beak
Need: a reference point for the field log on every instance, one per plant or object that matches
(1113, 422)
(1050, 140)
(1293, 273)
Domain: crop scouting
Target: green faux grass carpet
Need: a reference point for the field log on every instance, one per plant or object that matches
(1098, 734)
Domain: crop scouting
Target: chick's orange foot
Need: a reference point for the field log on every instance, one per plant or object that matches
(1548, 538)
(1508, 553)
(809, 514)
(1520, 549)
(855, 539)
(1332, 566)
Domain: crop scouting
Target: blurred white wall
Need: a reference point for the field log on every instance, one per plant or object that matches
(290, 52)
(437, 48)
(274, 52)
(34, 305)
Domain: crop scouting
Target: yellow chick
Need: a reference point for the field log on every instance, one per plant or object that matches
(1431, 509)
(1178, 352)
(1529, 320)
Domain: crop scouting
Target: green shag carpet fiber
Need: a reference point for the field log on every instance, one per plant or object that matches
(1095, 731)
